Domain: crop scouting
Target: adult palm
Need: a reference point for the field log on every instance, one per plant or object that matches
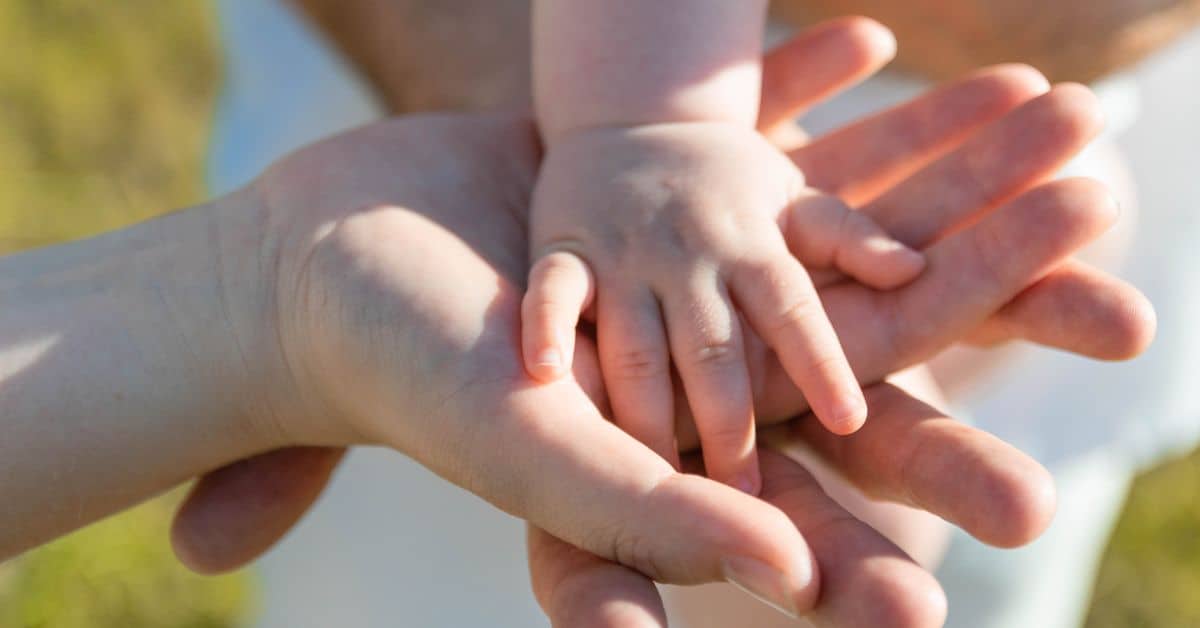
(400, 248)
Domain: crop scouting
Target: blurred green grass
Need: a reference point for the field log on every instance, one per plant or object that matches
(104, 111)
(1150, 575)
(104, 114)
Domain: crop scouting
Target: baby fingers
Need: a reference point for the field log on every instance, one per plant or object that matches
(824, 232)
(636, 363)
(560, 288)
(707, 349)
(778, 298)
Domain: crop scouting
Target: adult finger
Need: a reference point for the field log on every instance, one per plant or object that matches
(234, 514)
(973, 273)
(866, 580)
(576, 588)
(1024, 148)
(545, 454)
(911, 453)
(863, 159)
(968, 276)
(818, 63)
(1076, 308)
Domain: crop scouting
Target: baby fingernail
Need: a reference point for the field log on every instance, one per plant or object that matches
(550, 357)
(849, 415)
(765, 583)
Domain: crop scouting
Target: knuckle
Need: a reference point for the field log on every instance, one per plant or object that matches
(799, 310)
(716, 232)
(820, 364)
(632, 549)
(990, 251)
(639, 363)
(625, 541)
(727, 435)
(716, 353)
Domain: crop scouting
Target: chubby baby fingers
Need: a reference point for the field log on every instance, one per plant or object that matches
(636, 364)
(822, 232)
(708, 352)
(560, 288)
(778, 298)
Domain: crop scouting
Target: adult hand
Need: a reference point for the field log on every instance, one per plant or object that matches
(898, 146)
(473, 184)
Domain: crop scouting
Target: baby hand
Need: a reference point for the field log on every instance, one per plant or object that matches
(665, 233)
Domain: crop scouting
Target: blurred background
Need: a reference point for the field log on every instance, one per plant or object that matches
(105, 113)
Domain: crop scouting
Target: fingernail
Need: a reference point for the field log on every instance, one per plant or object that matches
(763, 582)
(550, 357)
(850, 415)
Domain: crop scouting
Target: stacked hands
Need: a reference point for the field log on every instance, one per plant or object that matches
(371, 289)
(688, 219)
(395, 256)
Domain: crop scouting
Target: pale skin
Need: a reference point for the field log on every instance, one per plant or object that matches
(192, 301)
(322, 306)
(665, 215)
(239, 511)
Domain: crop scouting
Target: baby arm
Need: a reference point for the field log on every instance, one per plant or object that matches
(622, 63)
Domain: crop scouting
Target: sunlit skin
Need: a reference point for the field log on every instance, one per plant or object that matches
(661, 209)
(217, 529)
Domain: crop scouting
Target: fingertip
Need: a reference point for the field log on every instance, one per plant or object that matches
(904, 596)
(895, 265)
(881, 39)
(185, 553)
(1085, 108)
(847, 416)
(844, 411)
(909, 264)
(202, 553)
(543, 362)
(1020, 79)
(808, 593)
(547, 365)
(1028, 499)
(749, 481)
(1136, 324)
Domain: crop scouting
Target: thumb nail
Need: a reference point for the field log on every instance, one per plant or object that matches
(763, 582)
